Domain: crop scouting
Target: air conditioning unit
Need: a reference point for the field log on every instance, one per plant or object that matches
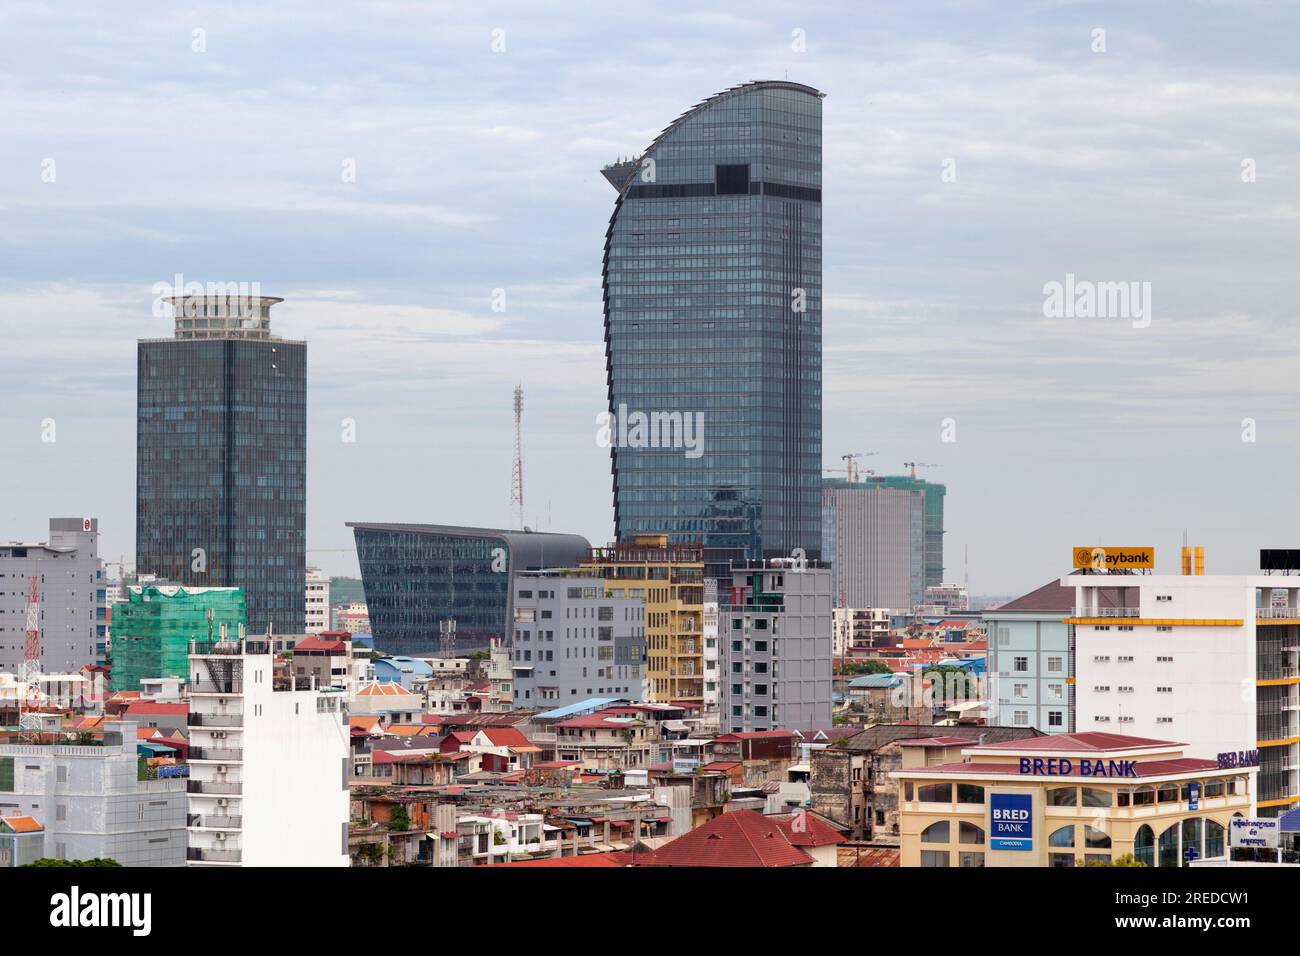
(221, 836)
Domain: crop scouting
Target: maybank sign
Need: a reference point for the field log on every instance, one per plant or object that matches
(1011, 821)
(1103, 559)
(1065, 767)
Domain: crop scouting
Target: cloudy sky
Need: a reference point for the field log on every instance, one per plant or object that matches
(142, 140)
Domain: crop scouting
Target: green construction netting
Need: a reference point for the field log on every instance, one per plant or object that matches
(152, 630)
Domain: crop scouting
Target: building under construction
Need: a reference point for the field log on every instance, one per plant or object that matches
(153, 627)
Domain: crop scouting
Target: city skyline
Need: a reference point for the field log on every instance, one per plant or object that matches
(1114, 166)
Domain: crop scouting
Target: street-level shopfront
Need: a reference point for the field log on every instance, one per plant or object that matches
(1065, 800)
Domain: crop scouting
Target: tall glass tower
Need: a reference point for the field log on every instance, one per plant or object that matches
(713, 319)
(221, 468)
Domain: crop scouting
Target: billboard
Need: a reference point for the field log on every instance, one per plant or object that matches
(1244, 831)
(1011, 821)
(1115, 559)
(1279, 559)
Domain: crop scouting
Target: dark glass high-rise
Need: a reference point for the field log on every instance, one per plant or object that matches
(221, 457)
(713, 309)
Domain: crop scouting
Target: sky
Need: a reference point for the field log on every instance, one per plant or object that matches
(974, 153)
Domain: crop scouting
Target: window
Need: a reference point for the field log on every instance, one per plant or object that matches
(935, 833)
(969, 833)
(1060, 859)
(970, 793)
(1144, 845)
(1168, 794)
(1055, 718)
(1092, 797)
(968, 858)
(1020, 718)
(1020, 664)
(1094, 839)
(935, 793)
(1054, 663)
(1064, 837)
(934, 857)
(1020, 690)
(1063, 797)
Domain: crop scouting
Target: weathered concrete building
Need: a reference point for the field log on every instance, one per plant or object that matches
(850, 781)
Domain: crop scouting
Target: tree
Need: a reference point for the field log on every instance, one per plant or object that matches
(93, 861)
(1125, 860)
(399, 820)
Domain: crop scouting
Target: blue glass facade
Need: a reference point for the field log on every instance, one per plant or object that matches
(221, 468)
(417, 576)
(713, 310)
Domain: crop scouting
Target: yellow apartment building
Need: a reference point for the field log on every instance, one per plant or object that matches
(670, 579)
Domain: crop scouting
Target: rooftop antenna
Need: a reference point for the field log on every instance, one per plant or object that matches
(517, 479)
(29, 719)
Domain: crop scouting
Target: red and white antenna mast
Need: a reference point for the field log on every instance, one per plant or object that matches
(517, 481)
(28, 719)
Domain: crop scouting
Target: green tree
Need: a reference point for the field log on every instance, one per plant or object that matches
(399, 820)
(1125, 860)
(94, 861)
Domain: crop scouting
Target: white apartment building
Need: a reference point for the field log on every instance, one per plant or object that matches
(1210, 661)
(709, 629)
(318, 601)
(859, 627)
(268, 762)
(89, 799)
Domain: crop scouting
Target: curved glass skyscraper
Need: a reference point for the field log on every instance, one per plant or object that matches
(713, 328)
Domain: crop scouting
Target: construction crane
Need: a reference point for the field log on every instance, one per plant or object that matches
(852, 473)
(918, 464)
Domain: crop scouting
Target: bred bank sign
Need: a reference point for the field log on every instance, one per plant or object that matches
(1011, 821)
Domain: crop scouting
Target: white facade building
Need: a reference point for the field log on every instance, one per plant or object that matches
(90, 801)
(268, 762)
(318, 601)
(1211, 661)
(709, 627)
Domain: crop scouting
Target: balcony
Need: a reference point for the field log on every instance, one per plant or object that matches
(1276, 613)
(213, 821)
(212, 856)
(1117, 612)
(216, 720)
(225, 687)
(223, 754)
(215, 786)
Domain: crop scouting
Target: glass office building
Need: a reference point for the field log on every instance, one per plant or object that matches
(713, 328)
(416, 576)
(221, 457)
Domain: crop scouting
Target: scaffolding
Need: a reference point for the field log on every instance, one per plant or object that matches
(153, 627)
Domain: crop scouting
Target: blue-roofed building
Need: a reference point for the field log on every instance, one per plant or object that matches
(580, 708)
(402, 670)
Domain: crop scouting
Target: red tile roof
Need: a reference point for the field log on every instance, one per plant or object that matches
(744, 838)
(152, 708)
(937, 742)
(506, 737)
(754, 735)
(318, 642)
(805, 829)
(22, 824)
(1087, 741)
